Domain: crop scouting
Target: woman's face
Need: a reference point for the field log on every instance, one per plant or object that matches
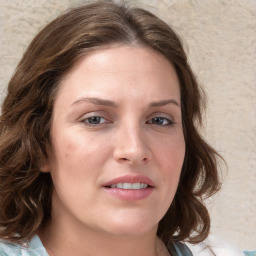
(118, 144)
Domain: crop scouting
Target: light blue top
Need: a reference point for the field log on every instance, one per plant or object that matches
(35, 248)
(250, 253)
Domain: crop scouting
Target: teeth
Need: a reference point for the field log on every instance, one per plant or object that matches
(127, 185)
(144, 185)
(136, 185)
(119, 185)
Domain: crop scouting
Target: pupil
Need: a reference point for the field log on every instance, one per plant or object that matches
(94, 120)
(158, 120)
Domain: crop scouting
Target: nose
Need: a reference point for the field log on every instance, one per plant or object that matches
(132, 146)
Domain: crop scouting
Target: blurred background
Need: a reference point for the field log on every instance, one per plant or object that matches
(220, 39)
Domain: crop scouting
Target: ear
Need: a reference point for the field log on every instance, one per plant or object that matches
(45, 166)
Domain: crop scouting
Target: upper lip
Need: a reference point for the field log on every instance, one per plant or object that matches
(130, 179)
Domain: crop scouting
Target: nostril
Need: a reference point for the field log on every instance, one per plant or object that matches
(124, 159)
(133, 160)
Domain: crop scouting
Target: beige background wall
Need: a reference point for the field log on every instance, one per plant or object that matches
(220, 38)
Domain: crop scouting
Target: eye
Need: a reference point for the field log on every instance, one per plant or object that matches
(162, 121)
(94, 120)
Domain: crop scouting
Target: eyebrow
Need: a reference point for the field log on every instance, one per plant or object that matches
(109, 103)
(164, 102)
(96, 101)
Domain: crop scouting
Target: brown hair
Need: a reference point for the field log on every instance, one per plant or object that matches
(25, 192)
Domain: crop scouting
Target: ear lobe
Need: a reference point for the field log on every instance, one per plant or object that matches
(45, 166)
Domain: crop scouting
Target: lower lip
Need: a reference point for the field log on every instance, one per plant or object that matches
(130, 194)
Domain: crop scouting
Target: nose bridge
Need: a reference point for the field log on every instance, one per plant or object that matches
(131, 144)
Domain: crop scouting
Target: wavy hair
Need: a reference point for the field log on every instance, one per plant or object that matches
(25, 192)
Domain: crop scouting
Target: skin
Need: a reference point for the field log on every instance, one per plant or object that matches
(94, 142)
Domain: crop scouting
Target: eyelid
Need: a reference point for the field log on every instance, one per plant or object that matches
(92, 114)
(161, 114)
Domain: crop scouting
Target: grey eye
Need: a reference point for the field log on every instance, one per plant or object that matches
(160, 121)
(95, 120)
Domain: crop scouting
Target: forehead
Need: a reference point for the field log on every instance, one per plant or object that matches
(117, 67)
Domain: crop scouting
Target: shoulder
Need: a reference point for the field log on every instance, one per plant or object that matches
(2, 252)
(8, 248)
(180, 249)
(32, 248)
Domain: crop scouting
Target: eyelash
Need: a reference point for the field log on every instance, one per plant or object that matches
(87, 120)
(169, 122)
(99, 119)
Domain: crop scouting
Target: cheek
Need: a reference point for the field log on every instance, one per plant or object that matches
(171, 158)
(172, 150)
(76, 155)
(68, 146)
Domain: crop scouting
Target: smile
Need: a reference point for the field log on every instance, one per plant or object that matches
(127, 185)
(130, 187)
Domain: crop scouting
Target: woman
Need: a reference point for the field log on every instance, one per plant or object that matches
(99, 147)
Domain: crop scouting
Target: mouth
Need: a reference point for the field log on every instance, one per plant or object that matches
(126, 185)
(130, 182)
(130, 188)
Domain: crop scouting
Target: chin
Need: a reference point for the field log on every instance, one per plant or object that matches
(132, 227)
(131, 232)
